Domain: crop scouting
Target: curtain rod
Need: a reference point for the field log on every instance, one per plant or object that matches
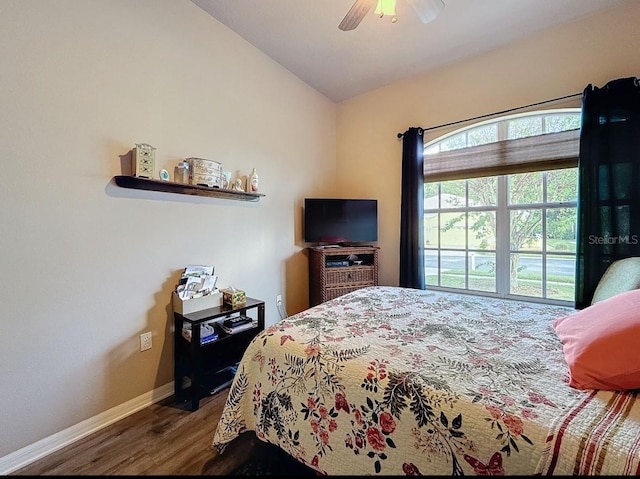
(498, 112)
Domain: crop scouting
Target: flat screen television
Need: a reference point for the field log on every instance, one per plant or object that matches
(340, 220)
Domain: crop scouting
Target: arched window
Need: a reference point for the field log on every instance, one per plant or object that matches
(500, 207)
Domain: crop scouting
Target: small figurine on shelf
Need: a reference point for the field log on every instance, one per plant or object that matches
(240, 182)
(226, 180)
(252, 182)
(181, 173)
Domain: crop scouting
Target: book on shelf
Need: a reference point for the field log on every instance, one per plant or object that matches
(240, 327)
(223, 379)
(207, 333)
(235, 321)
(209, 338)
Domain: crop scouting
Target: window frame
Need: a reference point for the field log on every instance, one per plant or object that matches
(503, 209)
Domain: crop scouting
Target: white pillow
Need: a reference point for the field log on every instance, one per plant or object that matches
(621, 276)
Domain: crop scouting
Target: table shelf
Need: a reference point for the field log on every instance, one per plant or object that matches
(207, 365)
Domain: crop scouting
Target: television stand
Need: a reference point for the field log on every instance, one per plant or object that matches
(333, 272)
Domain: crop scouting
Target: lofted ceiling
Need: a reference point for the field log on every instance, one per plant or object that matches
(303, 36)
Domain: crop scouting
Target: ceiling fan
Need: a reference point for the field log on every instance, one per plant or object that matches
(426, 10)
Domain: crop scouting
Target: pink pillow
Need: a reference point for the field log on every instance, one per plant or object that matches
(601, 343)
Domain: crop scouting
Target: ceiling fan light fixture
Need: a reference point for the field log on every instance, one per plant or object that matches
(427, 10)
(386, 7)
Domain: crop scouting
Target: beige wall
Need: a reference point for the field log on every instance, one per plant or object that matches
(552, 64)
(88, 266)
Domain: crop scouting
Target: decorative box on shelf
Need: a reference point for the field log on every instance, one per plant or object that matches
(187, 306)
(205, 172)
(233, 297)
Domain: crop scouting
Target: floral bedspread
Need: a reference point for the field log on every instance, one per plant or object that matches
(395, 381)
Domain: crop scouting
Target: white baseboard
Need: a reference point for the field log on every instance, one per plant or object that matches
(27, 455)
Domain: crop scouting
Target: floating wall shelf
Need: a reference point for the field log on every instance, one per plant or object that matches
(138, 183)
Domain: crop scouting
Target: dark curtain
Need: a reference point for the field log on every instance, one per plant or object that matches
(412, 210)
(609, 182)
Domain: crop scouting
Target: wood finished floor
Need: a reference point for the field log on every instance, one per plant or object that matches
(162, 439)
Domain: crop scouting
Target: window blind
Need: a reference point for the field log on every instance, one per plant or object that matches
(536, 153)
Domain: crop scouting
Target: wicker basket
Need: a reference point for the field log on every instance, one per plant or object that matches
(329, 282)
(361, 274)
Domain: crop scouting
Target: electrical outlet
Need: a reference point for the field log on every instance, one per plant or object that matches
(279, 300)
(145, 341)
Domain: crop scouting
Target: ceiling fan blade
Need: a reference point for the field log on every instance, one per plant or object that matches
(427, 10)
(355, 14)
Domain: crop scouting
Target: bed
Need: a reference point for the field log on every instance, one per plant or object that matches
(397, 381)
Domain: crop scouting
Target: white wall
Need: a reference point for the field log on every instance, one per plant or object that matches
(88, 266)
(552, 64)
